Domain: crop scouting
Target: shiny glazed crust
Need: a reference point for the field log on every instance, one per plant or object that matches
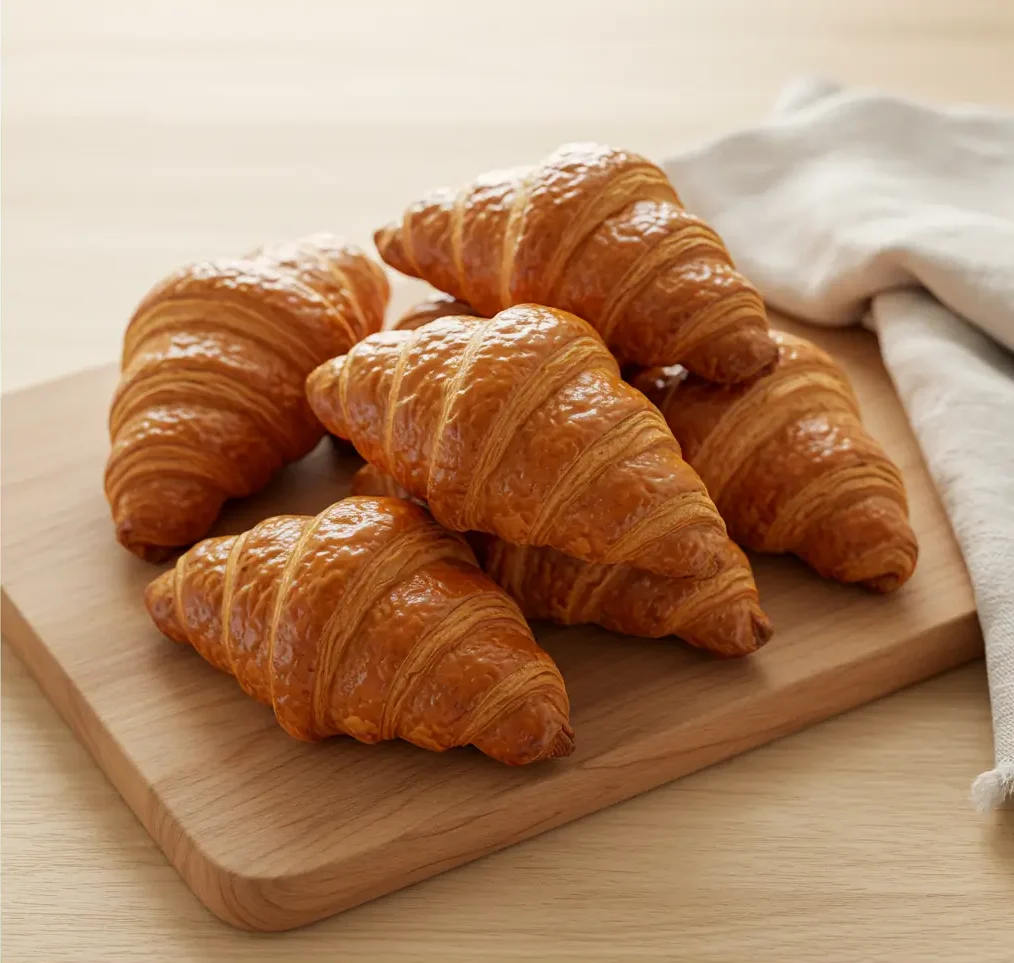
(791, 467)
(599, 232)
(210, 402)
(370, 621)
(721, 614)
(520, 426)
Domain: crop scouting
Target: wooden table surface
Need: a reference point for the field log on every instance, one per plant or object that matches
(141, 135)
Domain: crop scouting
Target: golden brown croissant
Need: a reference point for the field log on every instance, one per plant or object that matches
(433, 307)
(721, 614)
(520, 426)
(370, 621)
(599, 232)
(791, 467)
(211, 402)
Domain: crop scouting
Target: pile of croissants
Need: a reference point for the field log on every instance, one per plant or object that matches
(584, 426)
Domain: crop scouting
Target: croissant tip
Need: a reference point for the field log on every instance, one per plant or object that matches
(888, 582)
(316, 380)
(741, 355)
(160, 601)
(389, 244)
(767, 367)
(384, 238)
(323, 396)
(503, 745)
(890, 562)
(763, 630)
(562, 745)
(753, 636)
(147, 551)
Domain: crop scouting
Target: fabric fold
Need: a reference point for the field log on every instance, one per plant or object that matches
(853, 206)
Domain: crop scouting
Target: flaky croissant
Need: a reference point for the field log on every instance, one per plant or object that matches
(370, 621)
(211, 402)
(599, 232)
(520, 426)
(791, 467)
(721, 614)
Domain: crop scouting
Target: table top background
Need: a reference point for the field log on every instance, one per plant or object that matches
(138, 136)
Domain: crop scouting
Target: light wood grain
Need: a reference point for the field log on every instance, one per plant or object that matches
(271, 833)
(832, 844)
(138, 136)
(144, 135)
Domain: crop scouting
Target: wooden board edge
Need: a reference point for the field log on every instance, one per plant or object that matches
(12, 395)
(641, 767)
(256, 902)
(183, 852)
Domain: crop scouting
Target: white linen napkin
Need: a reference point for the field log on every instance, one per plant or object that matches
(852, 206)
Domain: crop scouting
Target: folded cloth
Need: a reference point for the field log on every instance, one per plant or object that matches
(852, 206)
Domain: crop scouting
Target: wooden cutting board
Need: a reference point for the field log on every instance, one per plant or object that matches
(271, 833)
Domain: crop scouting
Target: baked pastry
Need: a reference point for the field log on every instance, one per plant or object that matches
(599, 232)
(721, 614)
(520, 426)
(791, 467)
(369, 621)
(210, 403)
(435, 306)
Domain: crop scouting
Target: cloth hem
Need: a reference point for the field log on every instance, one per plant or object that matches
(993, 788)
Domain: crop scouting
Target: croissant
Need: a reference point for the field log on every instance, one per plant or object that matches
(210, 403)
(433, 307)
(721, 614)
(791, 467)
(370, 621)
(520, 426)
(599, 232)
